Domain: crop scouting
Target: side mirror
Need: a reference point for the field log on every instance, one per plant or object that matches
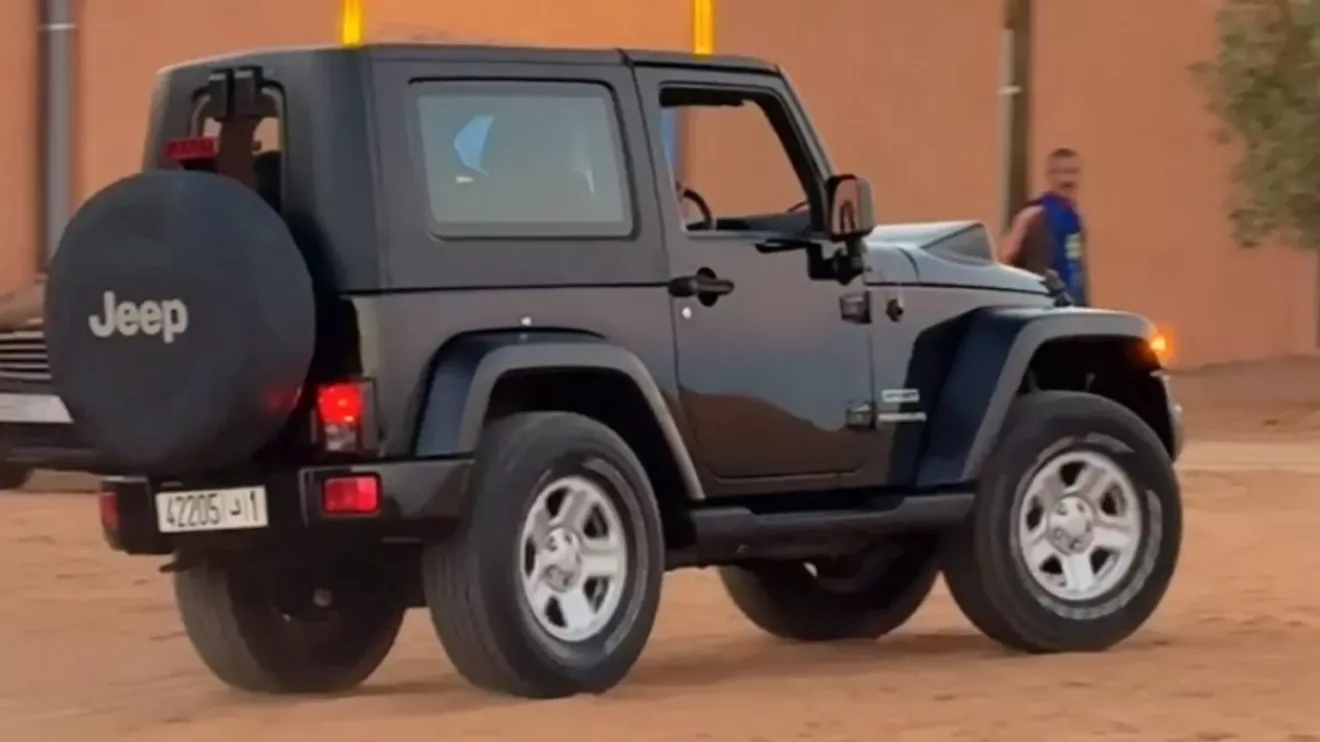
(850, 208)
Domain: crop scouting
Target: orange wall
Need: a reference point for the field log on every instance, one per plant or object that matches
(906, 93)
(1113, 82)
(19, 149)
(122, 43)
(617, 23)
(903, 91)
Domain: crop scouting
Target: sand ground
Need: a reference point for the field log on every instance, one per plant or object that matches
(91, 649)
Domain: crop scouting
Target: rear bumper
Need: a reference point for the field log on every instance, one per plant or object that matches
(417, 498)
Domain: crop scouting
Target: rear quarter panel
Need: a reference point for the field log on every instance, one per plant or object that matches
(438, 288)
(404, 336)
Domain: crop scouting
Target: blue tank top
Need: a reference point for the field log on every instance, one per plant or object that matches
(1067, 254)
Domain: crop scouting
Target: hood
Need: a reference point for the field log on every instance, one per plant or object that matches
(960, 253)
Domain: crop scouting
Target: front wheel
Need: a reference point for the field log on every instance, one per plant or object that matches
(266, 629)
(1076, 529)
(864, 596)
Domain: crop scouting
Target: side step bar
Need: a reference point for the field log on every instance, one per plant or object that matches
(725, 534)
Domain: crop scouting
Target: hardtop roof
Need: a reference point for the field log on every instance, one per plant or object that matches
(485, 53)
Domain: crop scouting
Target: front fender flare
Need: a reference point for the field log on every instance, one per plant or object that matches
(987, 373)
(463, 378)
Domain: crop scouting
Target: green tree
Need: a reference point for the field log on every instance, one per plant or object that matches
(1264, 85)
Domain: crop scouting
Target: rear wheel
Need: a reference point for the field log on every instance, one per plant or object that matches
(861, 597)
(551, 586)
(270, 630)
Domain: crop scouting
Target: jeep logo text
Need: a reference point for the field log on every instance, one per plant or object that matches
(167, 318)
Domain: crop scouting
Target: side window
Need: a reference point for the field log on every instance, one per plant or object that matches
(669, 136)
(512, 159)
(729, 133)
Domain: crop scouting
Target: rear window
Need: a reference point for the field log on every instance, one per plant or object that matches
(249, 149)
(509, 159)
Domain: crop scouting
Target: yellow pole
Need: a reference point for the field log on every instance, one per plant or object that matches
(703, 27)
(350, 22)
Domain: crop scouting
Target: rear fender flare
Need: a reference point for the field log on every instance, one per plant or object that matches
(464, 375)
(987, 373)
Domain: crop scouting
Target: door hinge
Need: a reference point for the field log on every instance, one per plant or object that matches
(235, 93)
(856, 307)
(861, 416)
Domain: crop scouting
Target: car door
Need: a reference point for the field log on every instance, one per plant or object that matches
(775, 381)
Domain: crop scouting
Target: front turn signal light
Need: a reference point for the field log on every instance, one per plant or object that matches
(1161, 347)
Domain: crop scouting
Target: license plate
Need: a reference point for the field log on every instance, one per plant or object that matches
(211, 510)
(33, 408)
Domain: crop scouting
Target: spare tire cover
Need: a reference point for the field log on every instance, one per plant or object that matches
(180, 320)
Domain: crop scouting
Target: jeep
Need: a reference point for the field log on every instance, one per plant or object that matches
(457, 337)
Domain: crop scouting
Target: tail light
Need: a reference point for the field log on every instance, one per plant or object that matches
(190, 149)
(109, 507)
(351, 495)
(108, 503)
(344, 415)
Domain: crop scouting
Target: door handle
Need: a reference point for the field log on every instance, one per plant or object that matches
(785, 244)
(703, 284)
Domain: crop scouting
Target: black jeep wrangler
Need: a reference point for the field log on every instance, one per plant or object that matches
(404, 326)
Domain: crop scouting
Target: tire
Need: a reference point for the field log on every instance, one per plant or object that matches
(180, 322)
(14, 477)
(787, 600)
(475, 579)
(1119, 521)
(240, 630)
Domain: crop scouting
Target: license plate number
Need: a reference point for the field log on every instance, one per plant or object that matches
(211, 510)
